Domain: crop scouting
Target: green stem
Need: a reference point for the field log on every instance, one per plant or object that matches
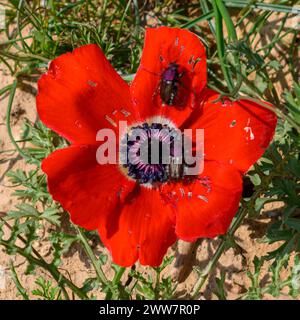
(6, 88)
(222, 247)
(122, 20)
(192, 23)
(100, 274)
(8, 112)
(59, 278)
(261, 6)
(157, 281)
(233, 37)
(25, 58)
(137, 17)
(119, 275)
(221, 45)
(212, 263)
(25, 45)
(17, 282)
(11, 41)
(116, 280)
(103, 10)
(46, 266)
(208, 269)
(292, 54)
(205, 9)
(276, 37)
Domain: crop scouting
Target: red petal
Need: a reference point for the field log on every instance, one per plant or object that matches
(172, 45)
(84, 188)
(236, 133)
(142, 229)
(79, 91)
(205, 206)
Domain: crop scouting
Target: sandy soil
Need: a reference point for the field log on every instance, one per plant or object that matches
(75, 264)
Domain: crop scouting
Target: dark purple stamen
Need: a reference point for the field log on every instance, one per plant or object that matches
(136, 168)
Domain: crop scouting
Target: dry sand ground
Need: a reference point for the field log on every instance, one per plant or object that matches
(75, 263)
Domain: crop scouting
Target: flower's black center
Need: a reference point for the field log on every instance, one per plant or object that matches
(150, 152)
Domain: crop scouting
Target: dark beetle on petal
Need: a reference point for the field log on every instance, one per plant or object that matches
(169, 83)
(174, 171)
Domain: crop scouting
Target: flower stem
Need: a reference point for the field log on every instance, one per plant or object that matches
(221, 45)
(114, 294)
(213, 262)
(8, 112)
(17, 282)
(119, 275)
(157, 282)
(100, 274)
(59, 278)
(233, 37)
(262, 6)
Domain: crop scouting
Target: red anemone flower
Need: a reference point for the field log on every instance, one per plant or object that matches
(138, 214)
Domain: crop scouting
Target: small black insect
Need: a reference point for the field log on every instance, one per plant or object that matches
(174, 171)
(169, 83)
(248, 188)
